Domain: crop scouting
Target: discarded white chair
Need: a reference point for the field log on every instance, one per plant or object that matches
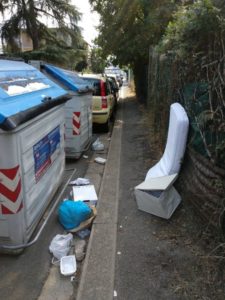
(156, 195)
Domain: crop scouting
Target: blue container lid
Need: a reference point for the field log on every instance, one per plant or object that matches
(25, 93)
(68, 79)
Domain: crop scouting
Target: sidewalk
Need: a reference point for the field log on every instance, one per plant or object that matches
(133, 255)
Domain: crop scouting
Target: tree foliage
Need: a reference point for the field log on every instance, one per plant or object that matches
(29, 14)
(194, 47)
(62, 45)
(128, 28)
(70, 58)
(194, 29)
(97, 63)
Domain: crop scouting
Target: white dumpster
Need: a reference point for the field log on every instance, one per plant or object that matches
(32, 155)
(78, 110)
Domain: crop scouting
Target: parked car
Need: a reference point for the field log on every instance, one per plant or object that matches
(117, 78)
(115, 88)
(103, 99)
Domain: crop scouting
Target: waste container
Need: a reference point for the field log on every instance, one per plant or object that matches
(78, 110)
(32, 157)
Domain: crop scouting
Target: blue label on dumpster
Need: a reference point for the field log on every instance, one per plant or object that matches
(43, 152)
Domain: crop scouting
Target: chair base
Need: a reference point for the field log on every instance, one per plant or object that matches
(162, 205)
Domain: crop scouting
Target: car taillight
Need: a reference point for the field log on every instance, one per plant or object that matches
(103, 95)
(104, 102)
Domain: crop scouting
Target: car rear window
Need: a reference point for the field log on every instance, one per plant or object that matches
(96, 85)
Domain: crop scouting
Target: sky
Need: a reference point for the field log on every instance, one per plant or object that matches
(89, 20)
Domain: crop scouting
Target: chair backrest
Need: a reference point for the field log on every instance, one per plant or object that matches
(171, 160)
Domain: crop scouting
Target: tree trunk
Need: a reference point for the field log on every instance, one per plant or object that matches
(30, 17)
(140, 80)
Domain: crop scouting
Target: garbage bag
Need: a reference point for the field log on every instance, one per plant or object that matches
(72, 213)
(97, 145)
(60, 245)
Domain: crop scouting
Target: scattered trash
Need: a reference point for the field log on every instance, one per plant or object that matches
(60, 245)
(85, 193)
(80, 181)
(72, 278)
(68, 265)
(97, 145)
(85, 156)
(83, 233)
(115, 294)
(72, 213)
(80, 249)
(119, 253)
(100, 160)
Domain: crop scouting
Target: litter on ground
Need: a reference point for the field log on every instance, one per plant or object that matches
(68, 265)
(84, 233)
(84, 193)
(80, 181)
(97, 145)
(100, 160)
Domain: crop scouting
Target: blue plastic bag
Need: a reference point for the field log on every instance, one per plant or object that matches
(72, 213)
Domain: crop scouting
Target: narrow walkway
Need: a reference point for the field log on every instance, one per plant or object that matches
(133, 255)
(156, 259)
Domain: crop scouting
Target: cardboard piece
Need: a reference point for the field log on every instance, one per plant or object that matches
(85, 193)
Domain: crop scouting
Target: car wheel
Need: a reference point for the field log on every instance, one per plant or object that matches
(116, 104)
(105, 126)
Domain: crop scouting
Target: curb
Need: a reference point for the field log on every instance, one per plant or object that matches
(97, 278)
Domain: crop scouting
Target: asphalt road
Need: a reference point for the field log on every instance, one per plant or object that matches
(22, 276)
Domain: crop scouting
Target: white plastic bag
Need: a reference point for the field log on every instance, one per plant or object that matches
(60, 245)
(100, 160)
(97, 145)
(80, 181)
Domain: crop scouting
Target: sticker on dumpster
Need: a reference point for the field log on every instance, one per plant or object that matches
(76, 123)
(44, 151)
(10, 191)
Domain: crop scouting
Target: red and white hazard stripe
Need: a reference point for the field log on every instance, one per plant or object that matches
(76, 123)
(10, 191)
